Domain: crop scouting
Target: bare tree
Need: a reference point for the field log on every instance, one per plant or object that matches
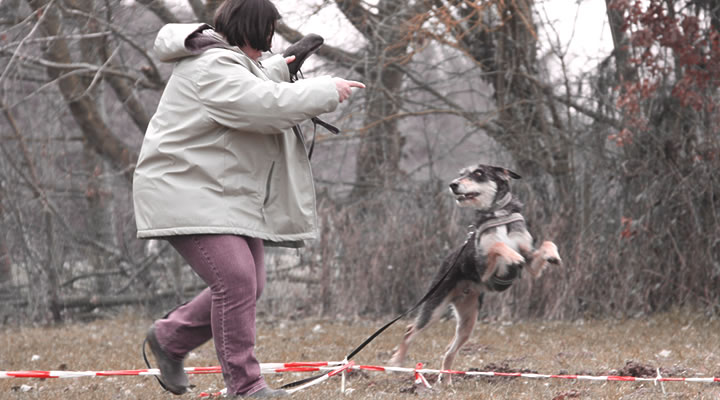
(610, 157)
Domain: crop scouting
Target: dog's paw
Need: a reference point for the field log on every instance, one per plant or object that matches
(544, 257)
(393, 362)
(444, 380)
(515, 259)
(397, 359)
(550, 253)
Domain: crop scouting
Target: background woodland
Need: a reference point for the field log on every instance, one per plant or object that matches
(619, 162)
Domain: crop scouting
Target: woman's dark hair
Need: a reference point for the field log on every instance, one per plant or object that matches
(247, 22)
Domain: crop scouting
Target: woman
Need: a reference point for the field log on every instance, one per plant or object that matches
(221, 172)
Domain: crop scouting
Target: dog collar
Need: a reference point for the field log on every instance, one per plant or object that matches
(503, 202)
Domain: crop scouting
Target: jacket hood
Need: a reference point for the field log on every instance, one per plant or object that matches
(177, 41)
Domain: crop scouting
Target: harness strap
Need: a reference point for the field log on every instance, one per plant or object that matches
(500, 220)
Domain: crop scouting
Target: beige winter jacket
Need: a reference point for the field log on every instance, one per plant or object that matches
(219, 155)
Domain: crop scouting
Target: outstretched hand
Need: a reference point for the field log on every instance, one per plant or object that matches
(344, 87)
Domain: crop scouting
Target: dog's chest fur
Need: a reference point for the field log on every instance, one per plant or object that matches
(494, 235)
(513, 234)
(506, 226)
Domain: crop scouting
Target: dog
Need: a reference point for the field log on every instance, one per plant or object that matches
(490, 260)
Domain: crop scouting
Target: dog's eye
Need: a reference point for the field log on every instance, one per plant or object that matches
(478, 172)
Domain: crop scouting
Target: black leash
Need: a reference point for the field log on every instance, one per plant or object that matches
(372, 337)
(315, 120)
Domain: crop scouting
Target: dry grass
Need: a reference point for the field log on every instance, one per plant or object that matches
(681, 344)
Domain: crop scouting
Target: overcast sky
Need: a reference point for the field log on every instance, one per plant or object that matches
(580, 27)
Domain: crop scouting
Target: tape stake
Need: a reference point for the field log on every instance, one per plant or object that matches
(419, 378)
(322, 378)
(660, 379)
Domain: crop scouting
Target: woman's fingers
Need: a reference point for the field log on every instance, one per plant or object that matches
(289, 59)
(344, 88)
(356, 84)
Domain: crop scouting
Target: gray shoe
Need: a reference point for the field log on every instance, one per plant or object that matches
(172, 372)
(264, 393)
(302, 49)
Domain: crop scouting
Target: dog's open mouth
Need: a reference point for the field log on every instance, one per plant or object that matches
(466, 196)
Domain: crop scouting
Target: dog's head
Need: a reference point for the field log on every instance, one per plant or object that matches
(481, 186)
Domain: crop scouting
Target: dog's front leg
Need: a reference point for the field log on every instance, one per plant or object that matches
(499, 257)
(546, 255)
(401, 351)
(430, 311)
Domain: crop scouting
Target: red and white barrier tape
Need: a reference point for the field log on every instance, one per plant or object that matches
(339, 366)
(300, 367)
(421, 371)
(265, 368)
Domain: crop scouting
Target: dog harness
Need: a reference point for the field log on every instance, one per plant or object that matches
(499, 218)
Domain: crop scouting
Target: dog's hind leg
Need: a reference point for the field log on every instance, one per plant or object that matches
(429, 312)
(466, 310)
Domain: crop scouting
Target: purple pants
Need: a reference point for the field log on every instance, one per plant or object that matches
(234, 269)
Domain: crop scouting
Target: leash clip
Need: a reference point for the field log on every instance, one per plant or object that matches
(471, 231)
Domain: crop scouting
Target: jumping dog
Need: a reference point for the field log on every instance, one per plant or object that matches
(493, 256)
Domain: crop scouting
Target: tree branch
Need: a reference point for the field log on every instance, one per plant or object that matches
(334, 54)
(357, 15)
(150, 71)
(158, 8)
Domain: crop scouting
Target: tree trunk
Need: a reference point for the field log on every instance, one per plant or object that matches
(82, 106)
(529, 125)
(623, 70)
(380, 150)
(51, 267)
(5, 265)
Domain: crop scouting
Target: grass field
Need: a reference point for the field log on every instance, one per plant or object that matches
(679, 344)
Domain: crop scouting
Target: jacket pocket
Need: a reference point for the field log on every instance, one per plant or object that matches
(268, 181)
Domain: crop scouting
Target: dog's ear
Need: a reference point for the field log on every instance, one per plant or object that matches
(506, 174)
(513, 174)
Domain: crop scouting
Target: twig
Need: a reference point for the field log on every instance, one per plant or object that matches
(22, 42)
(155, 73)
(97, 75)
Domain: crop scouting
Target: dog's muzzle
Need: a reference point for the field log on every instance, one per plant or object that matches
(459, 196)
(465, 196)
